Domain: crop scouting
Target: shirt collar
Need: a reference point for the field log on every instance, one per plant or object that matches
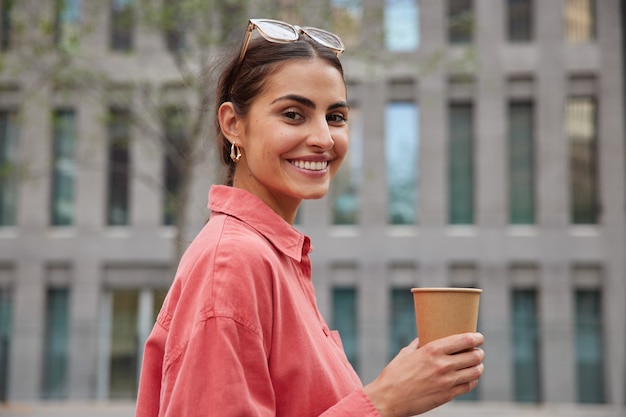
(254, 212)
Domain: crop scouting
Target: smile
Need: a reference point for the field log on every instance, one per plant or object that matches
(311, 165)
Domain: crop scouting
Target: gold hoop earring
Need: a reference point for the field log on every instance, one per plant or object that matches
(235, 152)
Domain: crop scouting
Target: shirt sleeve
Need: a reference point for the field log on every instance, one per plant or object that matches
(222, 372)
(357, 404)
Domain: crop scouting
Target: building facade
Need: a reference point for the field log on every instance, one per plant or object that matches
(487, 150)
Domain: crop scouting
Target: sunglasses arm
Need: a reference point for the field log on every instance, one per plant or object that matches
(246, 41)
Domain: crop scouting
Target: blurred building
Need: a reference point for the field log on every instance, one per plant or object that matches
(488, 150)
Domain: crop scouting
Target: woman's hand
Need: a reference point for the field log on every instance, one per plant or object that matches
(418, 380)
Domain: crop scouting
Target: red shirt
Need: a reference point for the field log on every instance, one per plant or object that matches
(239, 333)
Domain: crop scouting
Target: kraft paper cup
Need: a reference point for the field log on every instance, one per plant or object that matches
(441, 312)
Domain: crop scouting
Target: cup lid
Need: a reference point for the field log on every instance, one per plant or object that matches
(446, 289)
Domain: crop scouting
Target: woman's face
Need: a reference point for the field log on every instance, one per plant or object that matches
(294, 136)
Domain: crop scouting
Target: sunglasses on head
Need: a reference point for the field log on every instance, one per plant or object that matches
(281, 32)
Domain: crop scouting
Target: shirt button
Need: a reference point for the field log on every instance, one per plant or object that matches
(326, 331)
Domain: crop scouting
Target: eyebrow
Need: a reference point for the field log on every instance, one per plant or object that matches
(308, 103)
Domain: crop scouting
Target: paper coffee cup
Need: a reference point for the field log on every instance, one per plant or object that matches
(441, 312)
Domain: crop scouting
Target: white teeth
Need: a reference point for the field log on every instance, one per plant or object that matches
(311, 165)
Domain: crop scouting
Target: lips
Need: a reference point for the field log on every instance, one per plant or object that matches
(310, 165)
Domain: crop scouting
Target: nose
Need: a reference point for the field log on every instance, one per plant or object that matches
(320, 136)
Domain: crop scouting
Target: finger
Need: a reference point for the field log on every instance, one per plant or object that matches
(470, 374)
(461, 342)
(469, 358)
(464, 388)
(411, 347)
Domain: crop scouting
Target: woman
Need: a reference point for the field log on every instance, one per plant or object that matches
(240, 333)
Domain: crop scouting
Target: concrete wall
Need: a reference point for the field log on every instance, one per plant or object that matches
(552, 255)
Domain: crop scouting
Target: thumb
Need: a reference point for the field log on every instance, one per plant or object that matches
(411, 346)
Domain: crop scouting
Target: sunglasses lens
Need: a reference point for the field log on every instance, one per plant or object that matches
(325, 38)
(277, 31)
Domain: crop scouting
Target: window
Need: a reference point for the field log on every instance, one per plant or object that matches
(401, 151)
(63, 168)
(525, 328)
(580, 25)
(119, 168)
(66, 27)
(460, 164)
(55, 376)
(521, 163)
(460, 21)
(347, 19)
(589, 350)
(347, 181)
(124, 359)
(6, 20)
(175, 153)
(581, 132)
(132, 313)
(520, 20)
(5, 341)
(345, 320)
(401, 320)
(8, 168)
(122, 25)
(401, 25)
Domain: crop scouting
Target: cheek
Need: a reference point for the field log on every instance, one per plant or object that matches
(341, 144)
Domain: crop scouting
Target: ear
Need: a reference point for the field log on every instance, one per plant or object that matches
(229, 121)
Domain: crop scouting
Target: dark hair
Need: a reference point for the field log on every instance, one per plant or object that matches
(242, 83)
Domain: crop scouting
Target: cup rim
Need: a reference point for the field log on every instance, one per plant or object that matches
(447, 289)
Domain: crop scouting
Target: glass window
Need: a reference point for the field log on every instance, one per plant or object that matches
(525, 329)
(347, 20)
(347, 181)
(67, 30)
(158, 297)
(401, 151)
(401, 25)
(174, 125)
(520, 20)
(63, 168)
(122, 25)
(345, 320)
(589, 349)
(460, 21)
(581, 132)
(6, 20)
(8, 168)
(521, 163)
(580, 24)
(56, 344)
(124, 345)
(128, 317)
(5, 341)
(401, 320)
(119, 168)
(460, 164)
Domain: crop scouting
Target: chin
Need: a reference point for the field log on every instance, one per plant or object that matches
(315, 195)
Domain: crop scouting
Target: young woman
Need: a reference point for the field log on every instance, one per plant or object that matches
(239, 333)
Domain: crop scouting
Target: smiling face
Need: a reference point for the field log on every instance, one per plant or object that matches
(294, 136)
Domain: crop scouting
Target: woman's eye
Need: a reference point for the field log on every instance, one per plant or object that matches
(336, 118)
(292, 115)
